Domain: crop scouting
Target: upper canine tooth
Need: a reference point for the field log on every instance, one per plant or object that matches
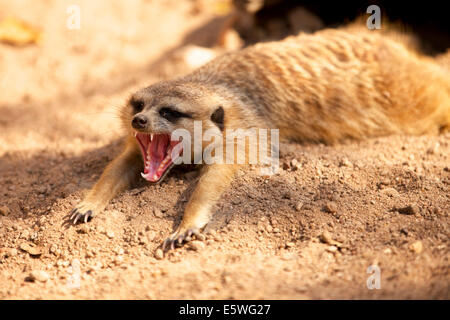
(151, 136)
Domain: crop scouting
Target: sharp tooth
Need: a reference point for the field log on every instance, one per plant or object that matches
(151, 136)
(155, 177)
(143, 175)
(135, 134)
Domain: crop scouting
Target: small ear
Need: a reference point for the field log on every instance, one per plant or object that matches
(218, 117)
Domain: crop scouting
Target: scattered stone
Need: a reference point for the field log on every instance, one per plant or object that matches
(409, 210)
(38, 275)
(53, 249)
(433, 149)
(332, 249)
(157, 213)
(331, 207)
(287, 195)
(200, 237)
(31, 248)
(290, 244)
(196, 245)
(110, 234)
(299, 206)
(295, 165)
(326, 238)
(387, 251)
(12, 252)
(345, 163)
(390, 192)
(4, 211)
(83, 229)
(118, 260)
(416, 247)
(25, 235)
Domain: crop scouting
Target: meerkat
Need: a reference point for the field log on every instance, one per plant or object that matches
(330, 86)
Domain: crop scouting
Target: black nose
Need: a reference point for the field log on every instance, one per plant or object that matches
(139, 121)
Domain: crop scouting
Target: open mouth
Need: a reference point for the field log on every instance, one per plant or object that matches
(157, 153)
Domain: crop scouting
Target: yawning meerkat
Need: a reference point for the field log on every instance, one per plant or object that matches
(330, 86)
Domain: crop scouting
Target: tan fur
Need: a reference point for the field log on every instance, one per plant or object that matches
(334, 85)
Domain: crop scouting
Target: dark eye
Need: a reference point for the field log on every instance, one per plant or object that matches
(171, 114)
(137, 105)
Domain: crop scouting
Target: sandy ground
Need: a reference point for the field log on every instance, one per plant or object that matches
(383, 202)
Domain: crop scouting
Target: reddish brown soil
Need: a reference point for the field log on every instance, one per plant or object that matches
(59, 129)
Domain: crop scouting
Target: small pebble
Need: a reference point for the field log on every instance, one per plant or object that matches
(332, 249)
(38, 275)
(409, 210)
(158, 213)
(345, 163)
(299, 206)
(12, 252)
(326, 238)
(200, 237)
(4, 211)
(390, 192)
(295, 165)
(83, 229)
(331, 207)
(416, 247)
(290, 244)
(31, 248)
(110, 234)
(196, 245)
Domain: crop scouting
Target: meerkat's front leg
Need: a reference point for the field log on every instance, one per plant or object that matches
(118, 175)
(213, 181)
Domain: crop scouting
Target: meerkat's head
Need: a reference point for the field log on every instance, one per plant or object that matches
(155, 112)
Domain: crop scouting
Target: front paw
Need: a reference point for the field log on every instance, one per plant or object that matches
(82, 213)
(179, 237)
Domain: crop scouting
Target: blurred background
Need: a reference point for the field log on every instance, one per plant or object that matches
(72, 62)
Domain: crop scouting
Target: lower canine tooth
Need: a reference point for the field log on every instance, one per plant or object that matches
(155, 177)
(143, 175)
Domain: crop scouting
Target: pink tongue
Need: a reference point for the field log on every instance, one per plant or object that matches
(157, 148)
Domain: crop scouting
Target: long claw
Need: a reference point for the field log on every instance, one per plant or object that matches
(177, 239)
(73, 213)
(165, 243)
